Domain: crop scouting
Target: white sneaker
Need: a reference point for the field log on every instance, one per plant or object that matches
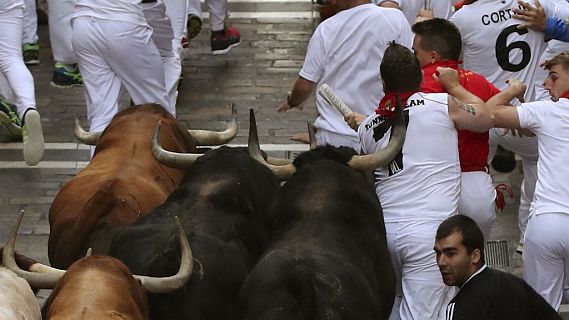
(32, 136)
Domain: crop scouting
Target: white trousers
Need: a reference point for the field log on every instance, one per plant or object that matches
(59, 18)
(324, 137)
(16, 81)
(30, 23)
(163, 38)
(217, 12)
(420, 293)
(177, 11)
(546, 256)
(477, 200)
(111, 53)
(526, 149)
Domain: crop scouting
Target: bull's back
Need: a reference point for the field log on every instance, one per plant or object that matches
(90, 207)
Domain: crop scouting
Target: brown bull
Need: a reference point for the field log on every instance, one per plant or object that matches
(94, 287)
(122, 182)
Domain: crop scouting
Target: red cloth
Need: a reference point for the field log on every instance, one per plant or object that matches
(565, 95)
(386, 106)
(472, 146)
(458, 5)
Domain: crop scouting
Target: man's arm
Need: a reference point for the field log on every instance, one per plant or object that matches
(506, 115)
(557, 29)
(466, 110)
(536, 19)
(300, 92)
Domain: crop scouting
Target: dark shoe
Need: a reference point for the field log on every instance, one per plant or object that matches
(10, 126)
(66, 76)
(31, 53)
(194, 26)
(223, 41)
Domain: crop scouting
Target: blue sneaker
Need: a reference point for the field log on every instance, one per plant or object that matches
(10, 125)
(66, 76)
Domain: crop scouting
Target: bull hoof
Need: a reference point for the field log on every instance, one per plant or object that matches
(504, 161)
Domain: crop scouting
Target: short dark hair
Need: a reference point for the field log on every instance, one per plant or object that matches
(439, 35)
(472, 237)
(400, 69)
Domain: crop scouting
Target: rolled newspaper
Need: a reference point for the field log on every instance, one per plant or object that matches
(333, 99)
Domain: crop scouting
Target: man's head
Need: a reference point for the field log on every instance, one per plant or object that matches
(460, 249)
(400, 69)
(436, 39)
(557, 82)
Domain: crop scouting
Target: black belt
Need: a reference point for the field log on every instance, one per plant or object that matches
(148, 1)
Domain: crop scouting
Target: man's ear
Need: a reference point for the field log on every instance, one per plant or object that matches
(435, 56)
(476, 256)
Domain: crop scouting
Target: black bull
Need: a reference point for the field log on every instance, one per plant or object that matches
(329, 258)
(222, 203)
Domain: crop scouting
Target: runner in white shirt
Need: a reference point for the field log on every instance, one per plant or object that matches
(546, 250)
(494, 47)
(114, 47)
(17, 84)
(411, 8)
(345, 52)
(420, 187)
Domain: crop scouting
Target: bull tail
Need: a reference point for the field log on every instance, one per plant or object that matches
(70, 238)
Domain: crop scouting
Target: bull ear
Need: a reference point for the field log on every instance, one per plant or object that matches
(384, 156)
(282, 172)
(168, 284)
(212, 138)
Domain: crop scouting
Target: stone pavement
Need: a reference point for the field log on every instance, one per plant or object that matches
(257, 74)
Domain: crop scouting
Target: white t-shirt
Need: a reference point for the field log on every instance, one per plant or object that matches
(550, 122)
(345, 52)
(116, 10)
(410, 8)
(422, 182)
(493, 46)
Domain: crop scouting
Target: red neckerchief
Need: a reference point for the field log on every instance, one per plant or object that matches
(387, 105)
(430, 85)
(565, 95)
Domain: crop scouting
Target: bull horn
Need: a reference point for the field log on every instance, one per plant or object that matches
(384, 156)
(40, 280)
(84, 136)
(167, 284)
(212, 138)
(169, 158)
(311, 135)
(282, 172)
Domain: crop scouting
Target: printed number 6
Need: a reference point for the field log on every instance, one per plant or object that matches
(503, 50)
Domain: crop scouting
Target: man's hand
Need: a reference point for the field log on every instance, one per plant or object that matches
(285, 107)
(534, 17)
(354, 119)
(517, 88)
(447, 77)
(301, 137)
